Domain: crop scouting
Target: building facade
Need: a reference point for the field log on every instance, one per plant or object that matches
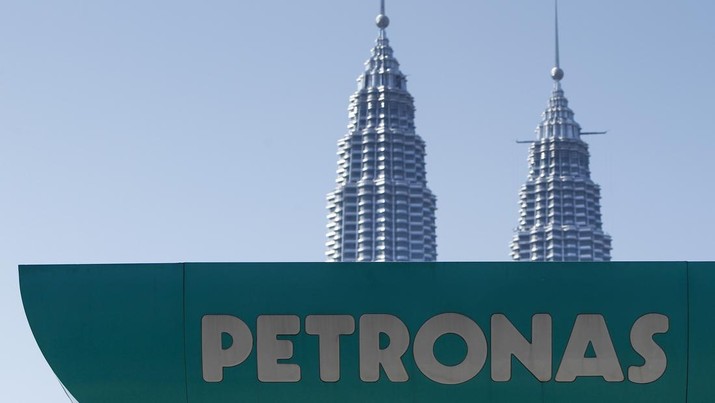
(381, 209)
(560, 215)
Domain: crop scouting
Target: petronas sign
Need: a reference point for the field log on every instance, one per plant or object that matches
(381, 332)
(507, 341)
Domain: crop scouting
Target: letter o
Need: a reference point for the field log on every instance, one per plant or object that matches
(438, 326)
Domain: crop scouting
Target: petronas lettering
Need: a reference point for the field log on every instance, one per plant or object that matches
(384, 341)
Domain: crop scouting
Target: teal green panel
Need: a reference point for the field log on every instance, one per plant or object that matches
(111, 333)
(414, 292)
(701, 280)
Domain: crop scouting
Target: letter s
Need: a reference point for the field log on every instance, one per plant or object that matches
(642, 341)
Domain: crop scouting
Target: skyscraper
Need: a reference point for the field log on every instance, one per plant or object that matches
(381, 209)
(560, 216)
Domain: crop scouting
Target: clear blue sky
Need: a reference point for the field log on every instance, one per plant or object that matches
(163, 131)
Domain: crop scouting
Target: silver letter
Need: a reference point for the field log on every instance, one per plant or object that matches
(507, 341)
(372, 357)
(462, 326)
(270, 349)
(214, 358)
(590, 329)
(329, 328)
(642, 340)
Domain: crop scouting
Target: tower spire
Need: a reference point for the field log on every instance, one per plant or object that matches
(557, 73)
(568, 228)
(381, 209)
(382, 20)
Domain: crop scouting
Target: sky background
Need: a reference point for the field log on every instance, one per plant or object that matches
(171, 131)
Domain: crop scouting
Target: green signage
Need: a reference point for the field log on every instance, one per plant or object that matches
(382, 332)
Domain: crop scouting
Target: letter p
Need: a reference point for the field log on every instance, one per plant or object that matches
(213, 356)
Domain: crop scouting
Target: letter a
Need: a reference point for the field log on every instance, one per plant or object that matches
(590, 329)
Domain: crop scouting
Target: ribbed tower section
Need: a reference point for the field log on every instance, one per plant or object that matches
(381, 209)
(560, 218)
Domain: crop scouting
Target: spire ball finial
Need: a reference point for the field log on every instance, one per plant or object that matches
(557, 74)
(382, 21)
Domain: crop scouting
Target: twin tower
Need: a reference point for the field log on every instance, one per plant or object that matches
(383, 211)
